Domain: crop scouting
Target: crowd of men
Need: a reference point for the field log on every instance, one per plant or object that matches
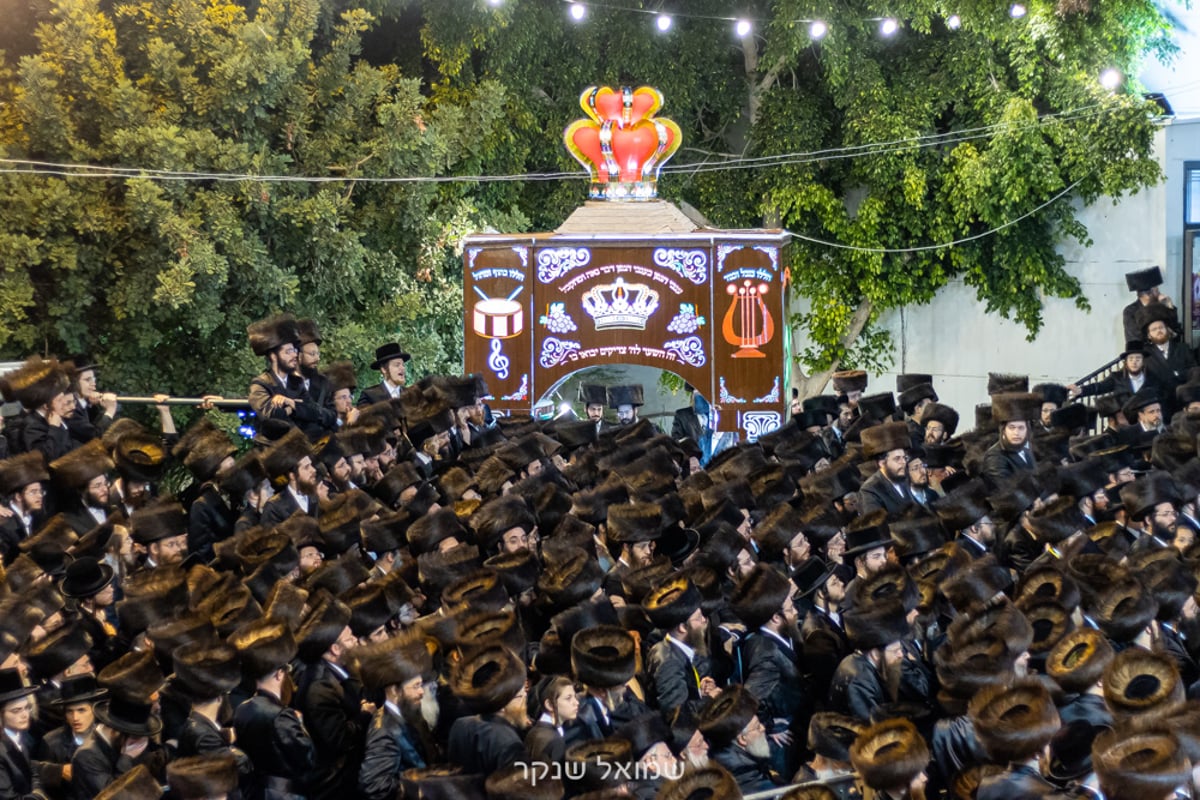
(401, 596)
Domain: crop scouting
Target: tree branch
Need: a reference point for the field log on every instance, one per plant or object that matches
(813, 385)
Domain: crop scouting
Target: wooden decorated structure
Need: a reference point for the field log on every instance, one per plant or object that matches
(629, 279)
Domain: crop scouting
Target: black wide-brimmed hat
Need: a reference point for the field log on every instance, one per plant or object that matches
(13, 686)
(78, 689)
(388, 352)
(125, 716)
(866, 533)
(85, 577)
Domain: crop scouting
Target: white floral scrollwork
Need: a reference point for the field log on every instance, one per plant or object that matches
(772, 396)
(690, 350)
(725, 396)
(759, 423)
(690, 264)
(554, 262)
(522, 392)
(555, 351)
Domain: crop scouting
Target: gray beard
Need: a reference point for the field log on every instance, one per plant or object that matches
(760, 748)
(697, 761)
(430, 711)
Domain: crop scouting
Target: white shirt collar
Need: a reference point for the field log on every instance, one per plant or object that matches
(690, 652)
(14, 736)
(394, 391)
(549, 720)
(301, 499)
(393, 708)
(341, 673)
(776, 636)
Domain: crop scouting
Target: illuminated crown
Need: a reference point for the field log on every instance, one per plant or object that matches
(620, 305)
(620, 144)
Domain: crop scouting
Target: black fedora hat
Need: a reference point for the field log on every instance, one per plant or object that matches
(125, 716)
(85, 577)
(79, 689)
(388, 352)
(13, 686)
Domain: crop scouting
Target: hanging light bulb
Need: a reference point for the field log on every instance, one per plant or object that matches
(817, 30)
(578, 11)
(889, 27)
(954, 22)
(1017, 11)
(743, 28)
(495, 2)
(663, 22)
(1110, 79)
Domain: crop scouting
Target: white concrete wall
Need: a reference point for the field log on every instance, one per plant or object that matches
(956, 341)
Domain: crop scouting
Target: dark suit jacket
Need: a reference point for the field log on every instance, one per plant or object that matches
(673, 682)
(771, 672)
(332, 709)
(483, 744)
(36, 434)
(751, 774)
(1169, 370)
(282, 506)
(1133, 333)
(686, 425)
(12, 533)
(307, 415)
(373, 394)
(878, 492)
(391, 749)
(18, 779)
(210, 520)
(1118, 384)
(274, 739)
(96, 764)
(1001, 464)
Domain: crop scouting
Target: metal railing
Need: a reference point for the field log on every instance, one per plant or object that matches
(1094, 377)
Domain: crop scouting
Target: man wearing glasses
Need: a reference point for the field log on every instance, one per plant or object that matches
(279, 392)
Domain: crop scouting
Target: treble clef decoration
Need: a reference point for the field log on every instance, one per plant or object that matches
(497, 361)
(755, 325)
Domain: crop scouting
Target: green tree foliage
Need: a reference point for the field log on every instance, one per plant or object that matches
(986, 124)
(159, 278)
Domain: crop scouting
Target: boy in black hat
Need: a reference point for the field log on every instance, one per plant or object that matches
(77, 696)
(392, 363)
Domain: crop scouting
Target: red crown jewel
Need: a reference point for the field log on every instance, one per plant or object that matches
(621, 144)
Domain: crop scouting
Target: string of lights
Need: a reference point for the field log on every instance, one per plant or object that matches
(16, 166)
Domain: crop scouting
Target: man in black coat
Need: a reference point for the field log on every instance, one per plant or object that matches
(1011, 454)
(694, 422)
(678, 670)
(823, 638)
(888, 445)
(392, 363)
(1127, 382)
(1145, 283)
(881, 669)
(317, 387)
(270, 733)
(1167, 358)
(491, 738)
(22, 492)
(121, 740)
(279, 391)
(289, 464)
(81, 486)
(1014, 724)
(770, 661)
(331, 699)
(397, 738)
(19, 776)
(211, 518)
(77, 696)
(737, 739)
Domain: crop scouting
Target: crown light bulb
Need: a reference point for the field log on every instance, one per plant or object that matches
(578, 11)
(954, 22)
(1017, 11)
(817, 30)
(889, 27)
(743, 28)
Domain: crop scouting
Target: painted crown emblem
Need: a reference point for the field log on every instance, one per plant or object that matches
(621, 144)
(620, 305)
